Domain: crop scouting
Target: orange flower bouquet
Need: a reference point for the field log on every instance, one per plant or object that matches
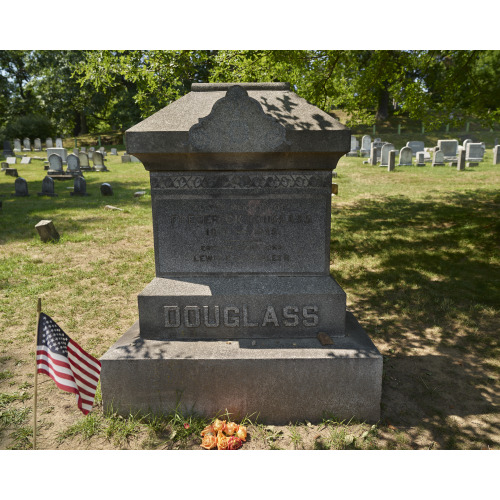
(223, 435)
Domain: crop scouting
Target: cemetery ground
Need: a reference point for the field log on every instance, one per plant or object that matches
(416, 250)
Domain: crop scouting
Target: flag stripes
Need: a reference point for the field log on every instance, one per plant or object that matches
(72, 369)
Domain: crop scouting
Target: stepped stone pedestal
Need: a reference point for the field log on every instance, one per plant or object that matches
(243, 314)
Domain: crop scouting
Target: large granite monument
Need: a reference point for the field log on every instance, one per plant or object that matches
(243, 314)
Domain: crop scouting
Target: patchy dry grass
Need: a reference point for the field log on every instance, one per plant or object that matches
(416, 250)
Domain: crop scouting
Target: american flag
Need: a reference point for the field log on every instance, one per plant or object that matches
(63, 360)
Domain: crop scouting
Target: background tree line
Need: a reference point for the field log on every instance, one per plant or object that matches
(78, 92)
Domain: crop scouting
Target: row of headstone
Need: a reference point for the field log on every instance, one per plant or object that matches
(26, 146)
(76, 164)
(79, 187)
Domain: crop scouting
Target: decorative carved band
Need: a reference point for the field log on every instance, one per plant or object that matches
(239, 181)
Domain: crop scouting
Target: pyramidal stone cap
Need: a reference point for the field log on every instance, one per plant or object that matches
(244, 126)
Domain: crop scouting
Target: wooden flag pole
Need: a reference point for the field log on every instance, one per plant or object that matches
(38, 311)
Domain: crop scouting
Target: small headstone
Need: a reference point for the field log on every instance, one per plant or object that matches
(49, 143)
(73, 165)
(438, 158)
(373, 155)
(134, 159)
(474, 152)
(11, 171)
(47, 231)
(449, 149)
(80, 187)
(106, 189)
(59, 142)
(5, 165)
(7, 149)
(391, 161)
(415, 146)
(27, 144)
(384, 155)
(405, 157)
(366, 142)
(38, 145)
(25, 160)
(47, 187)
(354, 147)
(84, 161)
(92, 149)
(17, 145)
(420, 159)
(461, 159)
(125, 158)
(62, 152)
(98, 160)
(11, 160)
(496, 155)
(83, 149)
(21, 187)
(114, 152)
(102, 150)
(56, 164)
(138, 194)
(464, 144)
(76, 151)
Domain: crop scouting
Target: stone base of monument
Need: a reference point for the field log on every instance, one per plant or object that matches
(275, 380)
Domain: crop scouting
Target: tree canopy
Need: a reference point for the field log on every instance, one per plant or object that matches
(76, 92)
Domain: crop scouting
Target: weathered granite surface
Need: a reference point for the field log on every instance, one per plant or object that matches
(282, 380)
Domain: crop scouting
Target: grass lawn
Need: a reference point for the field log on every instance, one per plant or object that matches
(416, 250)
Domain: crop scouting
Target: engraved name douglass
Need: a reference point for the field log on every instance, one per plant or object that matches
(234, 317)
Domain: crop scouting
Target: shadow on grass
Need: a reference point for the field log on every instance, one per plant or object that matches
(435, 285)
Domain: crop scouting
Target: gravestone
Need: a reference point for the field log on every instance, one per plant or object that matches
(26, 144)
(11, 160)
(4, 165)
(55, 165)
(98, 160)
(49, 143)
(84, 161)
(391, 162)
(496, 155)
(59, 142)
(73, 165)
(79, 187)
(366, 142)
(354, 147)
(405, 157)
(125, 158)
(17, 145)
(106, 189)
(438, 158)
(415, 146)
(21, 187)
(134, 159)
(384, 154)
(114, 152)
(38, 145)
(102, 150)
(420, 159)
(241, 209)
(47, 231)
(25, 160)
(11, 171)
(83, 149)
(47, 187)
(461, 159)
(449, 149)
(474, 153)
(76, 151)
(62, 152)
(373, 154)
(464, 144)
(7, 149)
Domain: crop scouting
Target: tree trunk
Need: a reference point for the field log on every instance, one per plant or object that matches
(84, 129)
(383, 104)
